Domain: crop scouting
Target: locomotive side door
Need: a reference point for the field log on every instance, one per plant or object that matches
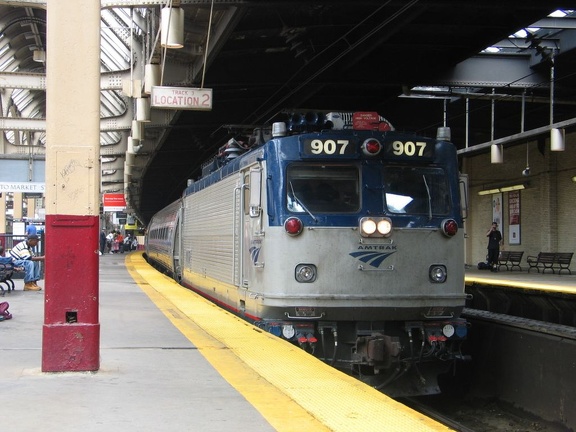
(177, 242)
(251, 226)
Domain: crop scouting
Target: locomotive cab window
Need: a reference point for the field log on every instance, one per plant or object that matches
(420, 190)
(322, 188)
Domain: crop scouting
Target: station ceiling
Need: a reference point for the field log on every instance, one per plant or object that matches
(420, 64)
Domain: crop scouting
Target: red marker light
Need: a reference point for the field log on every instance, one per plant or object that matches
(371, 147)
(449, 227)
(293, 226)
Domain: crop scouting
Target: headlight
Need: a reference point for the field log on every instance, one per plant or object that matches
(438, 273)
(288, 331)
(384, 226)
(305, 273)
(448, 330)
(368, 226)
(375, 227)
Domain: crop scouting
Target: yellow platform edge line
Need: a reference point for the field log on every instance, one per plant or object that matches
(293, 391)
(519, 284)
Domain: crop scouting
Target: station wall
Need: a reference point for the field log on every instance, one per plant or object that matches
(547, 204)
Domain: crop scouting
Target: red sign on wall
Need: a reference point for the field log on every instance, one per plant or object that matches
(114, 202)
(514, 217)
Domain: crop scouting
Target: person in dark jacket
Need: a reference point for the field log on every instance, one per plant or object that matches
(494, 243)
(102, 241)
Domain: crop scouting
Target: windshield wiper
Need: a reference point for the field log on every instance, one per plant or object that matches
(301, 203)
(429, 197)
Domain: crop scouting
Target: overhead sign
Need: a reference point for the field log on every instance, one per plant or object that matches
(181, 98)
(26, 187)
(114, 202)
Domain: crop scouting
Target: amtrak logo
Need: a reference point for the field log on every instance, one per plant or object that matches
(371, 257)
(254, 253)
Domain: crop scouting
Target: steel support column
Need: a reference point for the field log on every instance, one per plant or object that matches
(71, 331)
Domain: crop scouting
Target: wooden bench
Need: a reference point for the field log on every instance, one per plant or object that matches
(510, 258)
(6, 271)
(563, 260)
(551, 261)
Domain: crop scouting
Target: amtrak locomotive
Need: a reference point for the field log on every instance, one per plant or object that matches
(334, 232)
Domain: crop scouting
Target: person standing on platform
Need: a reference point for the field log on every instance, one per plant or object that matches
(110, 241)
(102, 241)
(23, 256)
(494, 243)
(31, 229)
(134, 245)
(127, 246)
(120, 240)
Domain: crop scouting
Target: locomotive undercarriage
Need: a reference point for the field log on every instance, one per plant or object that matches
(399, 358)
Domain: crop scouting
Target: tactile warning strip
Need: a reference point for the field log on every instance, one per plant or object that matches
(332, 398)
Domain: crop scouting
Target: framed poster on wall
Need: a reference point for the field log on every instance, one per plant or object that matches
(497, 211)
(514, 217)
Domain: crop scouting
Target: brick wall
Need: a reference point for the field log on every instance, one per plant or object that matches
(547, 205)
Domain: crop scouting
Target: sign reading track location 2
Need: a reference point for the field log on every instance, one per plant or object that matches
(181, 98)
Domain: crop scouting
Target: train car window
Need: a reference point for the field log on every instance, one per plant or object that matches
(416, 190)
(322, 188)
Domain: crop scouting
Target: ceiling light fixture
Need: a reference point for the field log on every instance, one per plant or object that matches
(556, 139)
(512, 188)
(172, 29)
(39, 56)
(496, 154)
(556, 135)
(489, 191)
(499, 189)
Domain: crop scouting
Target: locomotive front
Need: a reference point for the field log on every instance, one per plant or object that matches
(362, 259)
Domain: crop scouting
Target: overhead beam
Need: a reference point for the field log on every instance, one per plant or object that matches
(159, 119)
(494, 71)
(37, 81)
(556, 23)
(518, 138)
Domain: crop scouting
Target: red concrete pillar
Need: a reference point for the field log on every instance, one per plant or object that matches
(71, 331)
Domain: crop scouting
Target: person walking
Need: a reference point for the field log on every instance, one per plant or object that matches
(23, 256)
(494, 243)
(102, 241)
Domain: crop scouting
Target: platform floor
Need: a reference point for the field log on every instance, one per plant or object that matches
(169, 360)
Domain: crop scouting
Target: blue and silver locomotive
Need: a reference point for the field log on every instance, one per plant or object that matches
(344, 238)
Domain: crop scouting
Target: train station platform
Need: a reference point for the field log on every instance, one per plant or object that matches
(170, 360)
(553, 282)
(546, 297)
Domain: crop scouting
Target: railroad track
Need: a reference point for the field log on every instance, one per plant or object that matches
(440, 417)
(464, 415)
(522, 377)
